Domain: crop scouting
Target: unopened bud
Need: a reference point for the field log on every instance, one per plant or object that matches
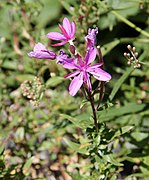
(139, 65)
(132, 59)
(129, 47)
(128, 55)
(72, 49)
(135, 66)
(134, 49)
(136, 54)
(125, 54)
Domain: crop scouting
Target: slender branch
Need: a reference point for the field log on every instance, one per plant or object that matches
(126, 21)
(129, 23)
(90, 98)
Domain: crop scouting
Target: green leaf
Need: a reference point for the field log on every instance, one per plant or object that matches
(139, 136)
(107, 115)
(109, 46)
(122, 130)
(120, 82)
(49, 12)
(23, 77)
(19, 135)
(80, 121)
(116, 133)
(27, 164)
(80, 148)
(111, 159)
(54, 81)
(67, 6)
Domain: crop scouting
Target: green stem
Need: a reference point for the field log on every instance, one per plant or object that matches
(146, 64)
(126, 21)
(129, 23)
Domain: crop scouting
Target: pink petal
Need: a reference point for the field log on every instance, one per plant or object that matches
(68, 65)
(56, 36)
(87, 79)
(90, 56)
(64, 32)
(39, 46)
(59, 44)
(76, 84)
(100, 74)
(89, 68)
(67, 26)
(80, 60)
(73, 29)
(72, 74)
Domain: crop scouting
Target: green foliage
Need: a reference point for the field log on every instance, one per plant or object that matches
(57, 138)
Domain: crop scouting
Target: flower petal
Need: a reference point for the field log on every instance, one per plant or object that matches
(64, 32)
(73, 29)
(42, 55)
(56, 36)
(93, 66)
(100, 74)
(70, 65)
(87, 79)
(72, 74)
(41, 52)
(39, 46)
(67, 26)
(59, 44)
(90, 56)
(76, 84)
(91, 37)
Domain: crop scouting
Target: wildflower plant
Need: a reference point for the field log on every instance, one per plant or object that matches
(74, 108)
(83, 67)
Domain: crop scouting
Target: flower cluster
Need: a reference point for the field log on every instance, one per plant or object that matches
(82, 66)
(132, 57)
(32, 90)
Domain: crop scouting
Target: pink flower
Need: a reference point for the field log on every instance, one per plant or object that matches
(91, 38)
(68, 32)
(41, 52)
(83, 70)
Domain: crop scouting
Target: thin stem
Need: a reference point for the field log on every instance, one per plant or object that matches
(129, 23)
(126, 21)
(90, 98)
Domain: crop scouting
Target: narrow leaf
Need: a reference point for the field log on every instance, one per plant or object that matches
(82, 149)
(120, 82)
(54, 81)
(107, 115)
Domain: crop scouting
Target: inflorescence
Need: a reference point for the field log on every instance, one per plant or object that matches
(83, 67)
(32, 90)
(132, 57)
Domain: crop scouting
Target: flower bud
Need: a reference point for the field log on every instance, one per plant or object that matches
(128, 55)
(129, 47)
(136, 54)
(125, 54)
(134, 49)
(132, 59)
(72, 49)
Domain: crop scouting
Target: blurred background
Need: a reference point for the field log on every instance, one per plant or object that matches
(34, 94)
